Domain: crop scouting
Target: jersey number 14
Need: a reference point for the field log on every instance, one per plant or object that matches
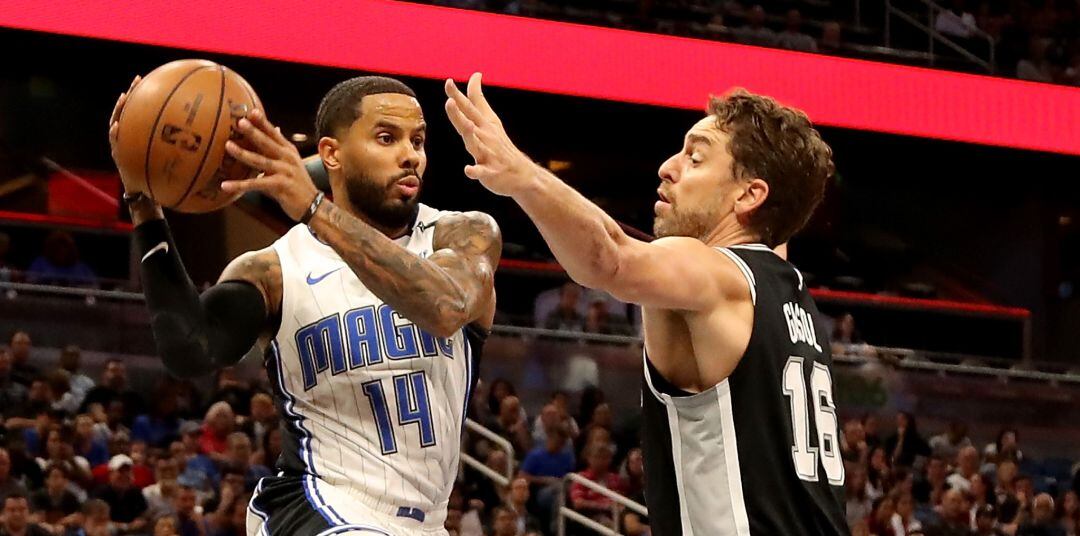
(803, 454)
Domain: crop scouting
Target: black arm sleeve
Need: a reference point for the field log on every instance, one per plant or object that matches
(195, 334)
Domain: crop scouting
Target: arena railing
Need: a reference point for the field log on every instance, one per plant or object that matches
(934, 36)
(499, 441)
(899, 357)
(617, 500)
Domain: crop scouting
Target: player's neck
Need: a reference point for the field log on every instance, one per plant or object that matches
(729, 234)
(391, 232)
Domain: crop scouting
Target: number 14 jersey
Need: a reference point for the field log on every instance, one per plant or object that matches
(373, 406)
(759, 453)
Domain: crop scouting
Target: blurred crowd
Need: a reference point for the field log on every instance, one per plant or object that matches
(91, 456)
(1036, 40)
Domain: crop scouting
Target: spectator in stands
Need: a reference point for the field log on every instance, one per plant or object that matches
(59, 449)
(60, 384)
(881, 515)
(512, 424)
(36, 415)
(906, 444)
(565, 317)
(956, 22)
(870, 430)
(967, 466)
(219, 423)
(80, 384)
(793, 38)
(933, 483)
(979, 491)
(487, 491)
(192, 460)
(159, 495)
(114, 387)
(632, 473)
(166, 526)
(587, 501)
(270, 449)
(9, 485)
(239, 456)
(229, 388)
(88, 444)
(263, 418)
(1069, 513)
(59, 264)
(1035, 66)
(162, 425)
(503, 522)
(56, 507)
(986, 521)
(126, 503)
(1042, 522)
(16, 518)
(878, 474)
(598, 320)
(517, 501)
(108, 419)
(12, 394)
(952, 518)
(190, 522)
(948, 444)
(1005, 447)
(97, 520)
(632, 523)
(755, 32)
(553, 414)
(22, 370)
(903, 521)
(857, 504)
(545, 466)
(831, 41)
(853, 447)
(500, 388)
(232, 522)
(1025, 497)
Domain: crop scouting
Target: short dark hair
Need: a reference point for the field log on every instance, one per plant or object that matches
(780, 146)
(341, 105)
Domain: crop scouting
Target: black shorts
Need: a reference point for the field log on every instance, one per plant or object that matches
(289, 505)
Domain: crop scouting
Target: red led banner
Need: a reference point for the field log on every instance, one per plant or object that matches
(434, 42)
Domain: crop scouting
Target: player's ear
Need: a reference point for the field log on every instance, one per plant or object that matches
(753, 195)
(328, 151)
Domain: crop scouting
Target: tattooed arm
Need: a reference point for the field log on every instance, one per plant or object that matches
(442, 293)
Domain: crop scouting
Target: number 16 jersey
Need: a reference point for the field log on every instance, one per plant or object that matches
(759, 453)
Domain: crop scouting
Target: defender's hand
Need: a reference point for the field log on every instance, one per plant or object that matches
(500, 166)
(114, 129)
(283, 177)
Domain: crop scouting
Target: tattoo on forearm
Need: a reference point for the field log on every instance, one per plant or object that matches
(439, 292)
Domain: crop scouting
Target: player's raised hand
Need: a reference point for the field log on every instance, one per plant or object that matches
(284, 176)
(500, 166)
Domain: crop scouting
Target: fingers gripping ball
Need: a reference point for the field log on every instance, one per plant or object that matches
(172, 133)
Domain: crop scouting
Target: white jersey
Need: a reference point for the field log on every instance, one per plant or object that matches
(374, 406)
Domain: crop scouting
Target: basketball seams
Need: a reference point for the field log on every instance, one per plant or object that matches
(209, 142)
(157, 120)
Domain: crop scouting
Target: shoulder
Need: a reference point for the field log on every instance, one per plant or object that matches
(725, 267)
(472, 232)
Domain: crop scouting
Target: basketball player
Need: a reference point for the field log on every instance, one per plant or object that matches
(740, 426)
(375, 307)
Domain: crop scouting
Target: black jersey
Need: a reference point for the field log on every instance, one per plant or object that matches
(759, 453)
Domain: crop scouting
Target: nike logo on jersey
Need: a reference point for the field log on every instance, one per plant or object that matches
(162, 246)
(314, 280)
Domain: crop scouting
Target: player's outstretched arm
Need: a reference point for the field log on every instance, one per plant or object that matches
(441, 294)
(586, 241)
(197, 335)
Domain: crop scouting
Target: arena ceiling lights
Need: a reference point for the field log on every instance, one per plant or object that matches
(571, 59)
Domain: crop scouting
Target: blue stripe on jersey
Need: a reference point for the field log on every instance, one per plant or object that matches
(468, 378)
(306, 454)
(265, 531)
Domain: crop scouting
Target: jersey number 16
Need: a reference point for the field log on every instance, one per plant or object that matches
(803, 454)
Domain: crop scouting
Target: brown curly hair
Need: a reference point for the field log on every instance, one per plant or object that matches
(780, 146)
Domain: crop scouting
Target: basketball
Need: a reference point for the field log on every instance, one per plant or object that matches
(172, 133)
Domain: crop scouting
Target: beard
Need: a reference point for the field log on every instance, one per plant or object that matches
(679, 223)
(376, 202)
